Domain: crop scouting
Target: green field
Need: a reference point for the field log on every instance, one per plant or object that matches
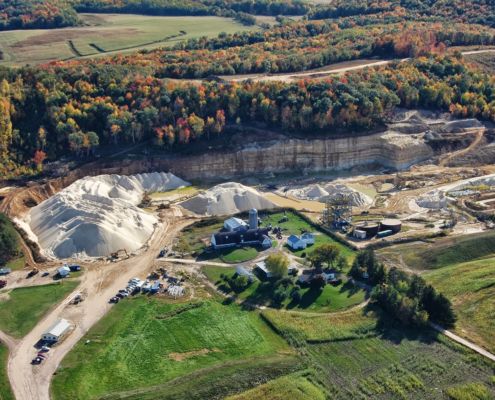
(17, 263)
(397, 365)
(108, 34)
(351, 324)
(5, 391)
(294, 387)
(22, 308)
(441, 252)
(329, 299)
(295, 225)
(146, 342)
(471, 288)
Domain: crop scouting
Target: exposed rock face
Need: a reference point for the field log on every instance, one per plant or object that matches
(389, 149)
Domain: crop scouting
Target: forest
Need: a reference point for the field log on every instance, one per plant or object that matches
(50, 111)
(301, 46)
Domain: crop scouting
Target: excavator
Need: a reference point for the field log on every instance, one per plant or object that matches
(116, 254)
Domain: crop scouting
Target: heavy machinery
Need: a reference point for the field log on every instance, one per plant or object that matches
(116, 254)
(33, 272)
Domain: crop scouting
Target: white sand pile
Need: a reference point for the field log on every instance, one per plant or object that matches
(434, 200)
(331, 190)
(225, 199)
(96, 216)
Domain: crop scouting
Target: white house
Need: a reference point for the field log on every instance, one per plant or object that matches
(57, 331)
(296, 243)
(308, 238)
(235, 224)
(64, 271)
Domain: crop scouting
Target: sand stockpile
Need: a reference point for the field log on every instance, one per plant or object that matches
(227, 198)
(434, 200)
(328, 191)
(96, 216)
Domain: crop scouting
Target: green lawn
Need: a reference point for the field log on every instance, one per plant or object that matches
(5, 391)
(110, 33)
(22, 308)
(471, 288)
(330, 299)
(297, 225)
(146, 342)
(16, 263)
(294, 387)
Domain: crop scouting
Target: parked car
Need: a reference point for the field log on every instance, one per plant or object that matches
(45, 349)
(5, 271)
(3, 284)
(45, 274)
(114, 300)
(37, 361)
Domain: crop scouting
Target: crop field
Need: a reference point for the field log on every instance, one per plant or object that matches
(22, 308)
(143, 343)
(107, 34)
(442, 252)
(471, 288)
(329, 299)
(397, 365)
(294, 387)
(5, 392)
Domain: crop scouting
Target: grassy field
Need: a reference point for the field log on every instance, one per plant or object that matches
(146, 342)
(16, 263)
(5, 391)
(484, 61)
(330, 299)
(294, 387)
(22, 308)
(471, 288)
(351, 324)
(295, 225)
(107, 34)
(441, 252)
(397, 365)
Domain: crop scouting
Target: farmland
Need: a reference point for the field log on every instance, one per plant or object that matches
(5, 392)
(22, 308)
(107, 34)
(442, 252)
(295, 386)
(471, 288)
(202, 338)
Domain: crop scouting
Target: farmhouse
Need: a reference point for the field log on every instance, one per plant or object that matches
(296, 243)
(57, 331)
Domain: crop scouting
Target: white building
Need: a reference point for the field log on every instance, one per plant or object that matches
(235, 224)
(296, 243)
(308, 238)
(57, 331)
(64, 271)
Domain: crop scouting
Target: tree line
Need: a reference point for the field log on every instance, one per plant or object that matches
(473, 11)
(407, 298)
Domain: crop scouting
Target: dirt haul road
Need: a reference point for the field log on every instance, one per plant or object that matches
(99, 283)
(324, 72)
